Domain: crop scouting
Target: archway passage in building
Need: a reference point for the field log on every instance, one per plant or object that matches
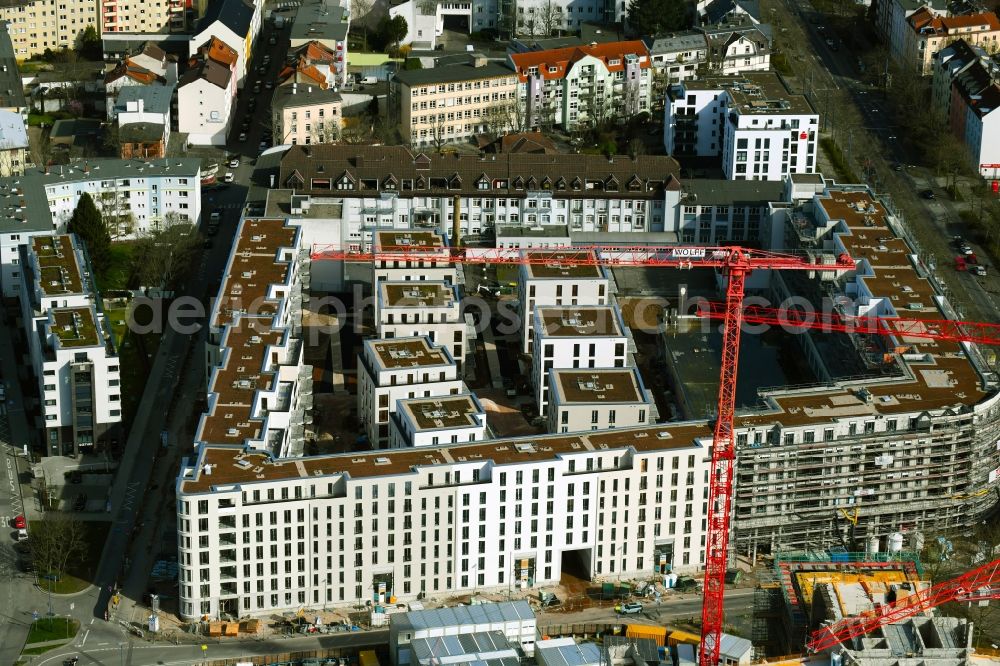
(457, 23)
(575, 578)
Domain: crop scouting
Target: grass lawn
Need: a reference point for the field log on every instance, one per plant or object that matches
(133, 366)
(52, 629)
(116, 277)
(81, 570)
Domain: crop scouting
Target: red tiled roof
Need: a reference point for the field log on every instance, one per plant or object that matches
(563, 59)
(925, 22)
(221, 52)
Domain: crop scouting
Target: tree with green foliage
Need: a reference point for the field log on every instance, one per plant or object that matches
(393, 30)
(656, 17)
(89, 227)
(89, 44)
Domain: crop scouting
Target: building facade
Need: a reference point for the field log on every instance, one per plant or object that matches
(71, 346)
(585, 85)
(455, 102)
(424, 308)
(759, 129)
(206, 95)
(598, 399)
(576, 337)
(37, 25)
(428, 521)
(132, 16)
(547, 281)
(436, 421)
(930, 33)
(400, 369)
(306, 114)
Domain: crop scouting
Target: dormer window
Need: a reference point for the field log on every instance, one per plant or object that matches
(532, 183)
(576, 184)
(518, 183)
(546, 183)
(613, 62)
(389, 183)
(561, 183)
(483, 183)
(553, 70)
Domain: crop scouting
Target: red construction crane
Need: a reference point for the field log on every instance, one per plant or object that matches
(734, 263)
(979, 584)
(927, 329)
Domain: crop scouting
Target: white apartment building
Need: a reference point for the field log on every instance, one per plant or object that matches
(974, 116)
(71, 347)
(452, 419)
(515, 195)
(13, 144)
(513, 619)
(583, 84)
(598, 399)
(455, 102)
(760, 131)
(206, 95)
(433, 262)
(735, 48)
(140, 194)
(678, 56)
(576, 337)
(421, 309)
(259, 389)
(258, 535)
(235, 23)
(400, 369)
(550, 280)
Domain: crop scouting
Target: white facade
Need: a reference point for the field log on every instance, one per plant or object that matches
(400, 369)
(599, 399)
(204, 109)
(69, 341)
(576, 337)
(421, 309)
(490, 516)
(557, 284)
(982, 134)
(437, 421)
(10, 262)
(583, 85)
(760, 131)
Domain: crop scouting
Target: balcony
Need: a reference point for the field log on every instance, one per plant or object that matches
(228, 539)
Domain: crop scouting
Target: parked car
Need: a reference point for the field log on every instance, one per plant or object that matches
(978, 269)
(631, 608)
(22, 535)
(228, 178)
(234, 162)
(215, 217)
(928, 194)
(19, 522)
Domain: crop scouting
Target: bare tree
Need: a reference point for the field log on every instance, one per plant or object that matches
(162, 256)
(550, 18)
(112, 201)
(437, 132)
(55, 541)
(326, 131)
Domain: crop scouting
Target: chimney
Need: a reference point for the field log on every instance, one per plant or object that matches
(86, 167)
(142, 105)
(272, 180)
(456, 221)
(295, 88)
(479, 60)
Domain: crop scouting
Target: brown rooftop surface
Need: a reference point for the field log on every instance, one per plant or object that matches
(756, 92)
(59, 272)
(240, 376)
(587, 386)
(232, 465)
(254, 266)
(408, 353)
(555, 270)
(947, 379)
(408, 239)
(580, 321)
(322, 168)
(416, 294)
(75, 327)
(438, 413)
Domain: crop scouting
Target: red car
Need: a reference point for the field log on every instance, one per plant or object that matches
(20, 523)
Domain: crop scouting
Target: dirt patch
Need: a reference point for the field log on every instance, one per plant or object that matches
(505, 419)
(335, 421)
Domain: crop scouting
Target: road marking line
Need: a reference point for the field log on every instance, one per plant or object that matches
(84, 639)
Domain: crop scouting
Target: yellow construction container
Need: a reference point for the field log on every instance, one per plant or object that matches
(658, 634)
(677, 637)
(367, 658)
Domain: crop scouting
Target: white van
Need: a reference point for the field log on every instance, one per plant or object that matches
(22, 535)
(368, 80)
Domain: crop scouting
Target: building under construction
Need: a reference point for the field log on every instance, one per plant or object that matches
(909, 445)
